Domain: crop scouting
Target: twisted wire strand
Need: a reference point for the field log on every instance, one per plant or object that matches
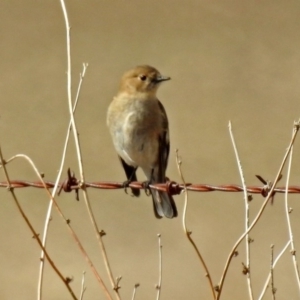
(170, 186)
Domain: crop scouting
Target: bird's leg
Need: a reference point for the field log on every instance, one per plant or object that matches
(131, 178)
(147, 183)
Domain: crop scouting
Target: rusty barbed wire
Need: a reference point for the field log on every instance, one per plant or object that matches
(171, 187)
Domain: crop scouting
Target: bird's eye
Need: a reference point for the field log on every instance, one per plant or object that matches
(143, 77)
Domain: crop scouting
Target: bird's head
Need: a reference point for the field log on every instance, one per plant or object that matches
(142, 79)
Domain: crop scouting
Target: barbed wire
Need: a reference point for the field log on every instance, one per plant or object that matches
(172, 187)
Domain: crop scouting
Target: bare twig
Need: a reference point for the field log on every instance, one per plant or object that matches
(259, 214)
(114, 284)
(288, 219)
(68, 223)
(246, 201)
(134, 290)
(158, 286)
(272, 272)
(83, 287)
(269, 276)
(188, 232)
(35, 234)
(48, 214)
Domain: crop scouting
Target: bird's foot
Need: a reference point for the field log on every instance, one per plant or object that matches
(134, 191)
(146, 187)
(126, 185)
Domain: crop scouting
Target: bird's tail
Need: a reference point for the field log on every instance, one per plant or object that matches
(163, 205)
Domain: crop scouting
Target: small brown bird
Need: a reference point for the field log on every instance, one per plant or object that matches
(138, 124)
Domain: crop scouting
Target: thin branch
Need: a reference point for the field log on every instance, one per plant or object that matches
(49, 210)
(68, 223)
(134, 290)
(246, 201)
(266, 285)
(273, 290)
(259, 214)
(288, 219)
(83, 287)
(35, 234)
(159, 285)
(114, 284)
(188, 232)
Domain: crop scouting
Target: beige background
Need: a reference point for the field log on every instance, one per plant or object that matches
(229, 60)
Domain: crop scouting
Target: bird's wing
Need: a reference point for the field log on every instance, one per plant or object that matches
(164, 145)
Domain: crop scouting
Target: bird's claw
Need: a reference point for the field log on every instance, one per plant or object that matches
(126, 185)
(146, 187)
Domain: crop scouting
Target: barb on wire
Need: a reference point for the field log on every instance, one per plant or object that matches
(267, 186)
(70, 184)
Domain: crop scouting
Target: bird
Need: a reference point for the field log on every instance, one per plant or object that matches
(139, 128)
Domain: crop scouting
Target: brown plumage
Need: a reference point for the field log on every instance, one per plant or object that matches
(138, 125)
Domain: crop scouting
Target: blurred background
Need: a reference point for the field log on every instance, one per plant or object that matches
(229, 60)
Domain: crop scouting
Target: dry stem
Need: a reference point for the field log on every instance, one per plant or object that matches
(49, 210)
(134, 290)
(83, 287)
(68, 223)
(35, 234)
(272, 272)
(259, 214)
(158, 287)
(187, 232)
(269, 276)
(288, 219)
(246, 201)
(114, 284)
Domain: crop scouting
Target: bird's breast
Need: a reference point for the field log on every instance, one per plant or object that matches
(135, 134)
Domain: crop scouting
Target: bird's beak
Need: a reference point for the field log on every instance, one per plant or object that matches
(161, 78)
